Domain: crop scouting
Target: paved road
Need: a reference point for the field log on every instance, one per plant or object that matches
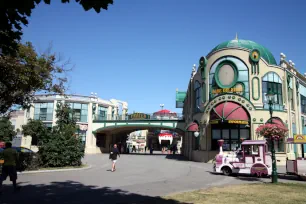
(138, 179)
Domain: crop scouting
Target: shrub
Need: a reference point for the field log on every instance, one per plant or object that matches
(62, 147)
(28, 161)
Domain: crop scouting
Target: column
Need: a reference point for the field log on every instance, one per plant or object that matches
(89, 134)
(54, 113)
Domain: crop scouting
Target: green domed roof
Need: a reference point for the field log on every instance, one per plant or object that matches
(247, 44)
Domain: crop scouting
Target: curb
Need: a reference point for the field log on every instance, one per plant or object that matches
(55, 170)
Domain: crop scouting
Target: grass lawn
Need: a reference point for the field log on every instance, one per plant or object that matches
(282, 193)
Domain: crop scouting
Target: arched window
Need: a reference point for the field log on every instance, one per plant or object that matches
(272, 82)
(197, 96)
(229, 72)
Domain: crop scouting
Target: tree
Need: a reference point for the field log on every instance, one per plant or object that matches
(6, 130)
(37, 130)
(27, 73)
(15, 13)
(63, 148)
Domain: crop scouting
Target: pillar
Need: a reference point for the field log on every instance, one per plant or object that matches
(89, 135)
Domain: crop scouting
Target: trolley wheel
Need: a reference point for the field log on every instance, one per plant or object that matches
(226, 171)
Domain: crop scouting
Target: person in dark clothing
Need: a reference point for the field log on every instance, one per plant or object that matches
(10, 157)
(114, 153)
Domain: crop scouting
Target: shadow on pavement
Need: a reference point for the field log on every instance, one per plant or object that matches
(247, 177)
(75, 193)
(178, 157)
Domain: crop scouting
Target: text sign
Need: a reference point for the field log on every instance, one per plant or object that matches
(227, 90)
(299, 139)
(239, 122)
(137, 116)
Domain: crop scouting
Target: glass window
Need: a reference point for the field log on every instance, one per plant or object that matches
(234, 134)
(225, 134)
(291, 98)
(43, 111)
(84, 106)
(197, 94)
(303, 104)
(272, 82)
(244, 133)
(243, 76)
(231, 135)
(216, 134)
(77, 106)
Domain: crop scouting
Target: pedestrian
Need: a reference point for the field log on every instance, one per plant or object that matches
(10, 157)
(113, 156)
(151, 149)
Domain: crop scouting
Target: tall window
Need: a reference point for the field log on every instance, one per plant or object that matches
(197, 96)
(80, 111)
(303, 104)
(231, 135)
(303, 98)
(43, 111)
(272, 82)
(102, 111)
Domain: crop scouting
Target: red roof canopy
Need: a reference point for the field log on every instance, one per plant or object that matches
(192, 127)
(229, 111)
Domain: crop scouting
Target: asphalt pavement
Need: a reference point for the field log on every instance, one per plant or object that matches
(138, 179)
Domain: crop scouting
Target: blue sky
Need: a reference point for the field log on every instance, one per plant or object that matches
(140, 51)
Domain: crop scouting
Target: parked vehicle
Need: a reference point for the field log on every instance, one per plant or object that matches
(252, 158)
(19, 149)
(297, 166)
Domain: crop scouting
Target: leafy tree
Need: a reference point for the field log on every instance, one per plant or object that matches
(27, 73)
(63, 148)
(37, 130)
(14, 13)
(6, 130)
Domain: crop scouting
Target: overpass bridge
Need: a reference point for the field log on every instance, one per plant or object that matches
(108, 128)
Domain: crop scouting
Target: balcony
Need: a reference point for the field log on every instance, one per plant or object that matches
(139, 116)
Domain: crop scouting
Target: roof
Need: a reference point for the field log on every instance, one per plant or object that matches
(254, 142)
(249, 45)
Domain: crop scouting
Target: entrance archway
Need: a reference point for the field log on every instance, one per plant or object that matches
(229, 121)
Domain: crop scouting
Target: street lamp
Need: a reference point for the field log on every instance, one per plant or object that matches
(270, 96)
(162, 106)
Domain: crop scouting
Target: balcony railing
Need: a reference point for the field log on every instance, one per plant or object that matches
(140, 116)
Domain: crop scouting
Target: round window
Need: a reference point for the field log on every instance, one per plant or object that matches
(226, 74)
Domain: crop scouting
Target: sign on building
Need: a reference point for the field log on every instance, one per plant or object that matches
(139, 116)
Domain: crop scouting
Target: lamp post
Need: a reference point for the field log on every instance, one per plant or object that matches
(270, 95)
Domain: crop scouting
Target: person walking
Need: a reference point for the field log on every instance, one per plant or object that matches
(10, 157)
(113, 156)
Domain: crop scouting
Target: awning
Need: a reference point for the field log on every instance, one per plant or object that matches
(277, 121)
(229, 111)
(192, 127)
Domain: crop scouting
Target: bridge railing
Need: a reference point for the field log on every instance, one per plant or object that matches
(139, 116)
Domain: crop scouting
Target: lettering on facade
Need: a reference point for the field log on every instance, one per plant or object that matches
(242, 122)
(227, 90)
(137, 116)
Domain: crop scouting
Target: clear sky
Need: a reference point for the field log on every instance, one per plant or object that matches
(140, 51)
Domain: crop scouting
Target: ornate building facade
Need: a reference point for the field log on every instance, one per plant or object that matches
(226, 99)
